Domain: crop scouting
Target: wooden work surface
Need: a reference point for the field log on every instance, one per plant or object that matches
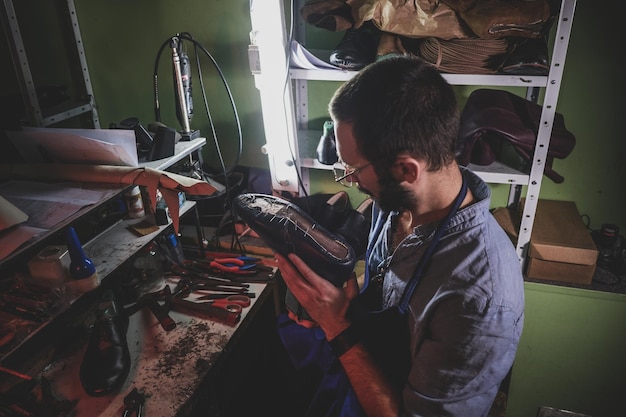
(167, 367)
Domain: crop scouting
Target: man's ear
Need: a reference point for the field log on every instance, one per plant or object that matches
(407, 169)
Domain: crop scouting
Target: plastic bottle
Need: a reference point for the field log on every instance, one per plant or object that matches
(83, 275)
(326, 148)
(134, 202)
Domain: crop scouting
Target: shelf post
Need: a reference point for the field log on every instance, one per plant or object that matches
(564, 27)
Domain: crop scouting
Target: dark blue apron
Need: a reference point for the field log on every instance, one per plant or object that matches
(385, 334)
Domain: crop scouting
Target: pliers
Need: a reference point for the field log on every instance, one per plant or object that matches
(185, 286)
(230, 265)
(242, 265)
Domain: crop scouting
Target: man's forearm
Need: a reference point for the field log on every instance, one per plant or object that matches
(373, 390)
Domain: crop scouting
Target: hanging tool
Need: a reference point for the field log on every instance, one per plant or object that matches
(182, 83)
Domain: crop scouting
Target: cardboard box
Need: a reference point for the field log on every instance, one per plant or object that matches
(561, 247)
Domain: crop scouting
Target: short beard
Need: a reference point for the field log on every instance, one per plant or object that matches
(394, 197)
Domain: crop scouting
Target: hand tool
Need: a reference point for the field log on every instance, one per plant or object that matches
(134, 403)
(159, 304)
(190, 268)
(233, 266)
(185, 286)
(161, 311)
(259, 264)
(207, 311)
(217, 296)
(15, 373)
(231, 302)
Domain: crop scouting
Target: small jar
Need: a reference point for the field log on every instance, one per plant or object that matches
(134, 202)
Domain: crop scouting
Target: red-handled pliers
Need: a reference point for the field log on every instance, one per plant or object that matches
(233, 265)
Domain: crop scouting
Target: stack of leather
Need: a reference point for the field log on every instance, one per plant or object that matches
(458, 36)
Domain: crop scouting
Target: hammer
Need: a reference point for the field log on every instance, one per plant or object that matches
(159, 304)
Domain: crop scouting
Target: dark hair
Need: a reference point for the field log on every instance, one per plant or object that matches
(400, 104)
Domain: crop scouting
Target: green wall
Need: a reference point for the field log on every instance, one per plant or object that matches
(571, 354)
(122, 40)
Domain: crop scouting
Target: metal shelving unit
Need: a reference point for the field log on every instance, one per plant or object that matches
(38, 116)
(302, 142)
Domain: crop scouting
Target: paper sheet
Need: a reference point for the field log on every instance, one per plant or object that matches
(167, 182)
(301, 58)
(44, 205)
(85, 146)
(10, 215)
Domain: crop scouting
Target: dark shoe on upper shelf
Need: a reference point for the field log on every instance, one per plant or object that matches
(357, 48)
(526, 56)
(106, 363)
(286, 229)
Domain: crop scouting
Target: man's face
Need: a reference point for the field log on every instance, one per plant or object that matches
(387, 191)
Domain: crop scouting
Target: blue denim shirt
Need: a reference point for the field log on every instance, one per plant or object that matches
(466, 314)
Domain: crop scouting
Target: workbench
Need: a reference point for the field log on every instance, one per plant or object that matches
(175, 370)
(169, 367)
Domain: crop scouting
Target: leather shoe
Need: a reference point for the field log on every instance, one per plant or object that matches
(357, 48)
(106, 363)
(527, 56)
(355, 228)
(286, 229)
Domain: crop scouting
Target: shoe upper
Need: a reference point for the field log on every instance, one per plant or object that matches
(106, 362)
(287, 229)
(357, 48)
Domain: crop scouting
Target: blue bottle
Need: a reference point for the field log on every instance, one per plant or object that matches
(82, 270)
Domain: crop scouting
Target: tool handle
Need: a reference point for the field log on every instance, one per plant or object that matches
(161, 314)
(206, 311)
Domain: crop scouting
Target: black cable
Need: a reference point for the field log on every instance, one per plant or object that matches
(155, 77)
(197, 45)
(188, 37)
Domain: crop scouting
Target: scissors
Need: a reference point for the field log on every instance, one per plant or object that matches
(233, 303)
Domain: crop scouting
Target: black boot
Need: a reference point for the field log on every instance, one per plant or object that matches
(286, 228)
(357, 48)
(106, 362)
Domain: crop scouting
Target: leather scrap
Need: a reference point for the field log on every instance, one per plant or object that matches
(168, 183)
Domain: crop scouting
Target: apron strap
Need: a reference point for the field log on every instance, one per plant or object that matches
(423, 262)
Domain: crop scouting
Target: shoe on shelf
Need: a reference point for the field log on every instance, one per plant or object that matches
(527, 56)
(106, 362)
(357, 48)
(355, 228)
(286, 229)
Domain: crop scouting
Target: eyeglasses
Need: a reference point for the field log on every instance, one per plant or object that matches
(343, 174)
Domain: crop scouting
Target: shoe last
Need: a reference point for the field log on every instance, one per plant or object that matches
(286, 228)
(106, 362)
